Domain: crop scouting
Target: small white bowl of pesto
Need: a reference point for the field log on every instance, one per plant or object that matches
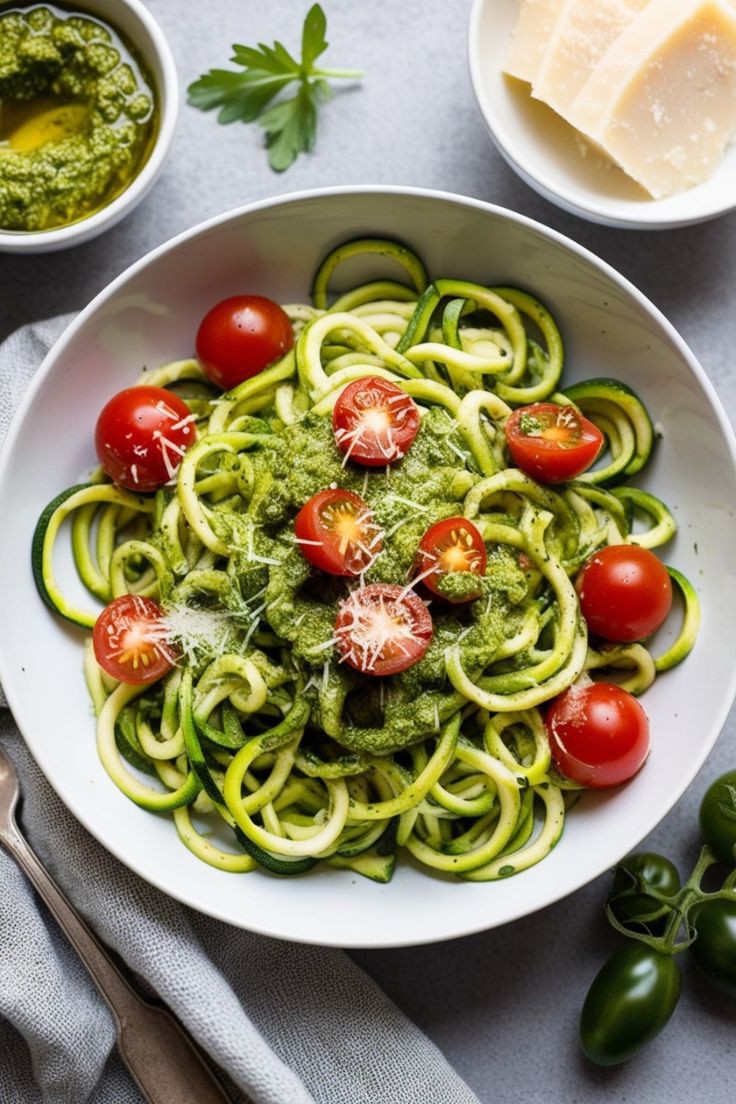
(88, 108)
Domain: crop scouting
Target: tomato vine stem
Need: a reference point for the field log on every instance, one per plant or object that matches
(679, 905)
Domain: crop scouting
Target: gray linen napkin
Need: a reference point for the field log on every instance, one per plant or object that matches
(288, 1024)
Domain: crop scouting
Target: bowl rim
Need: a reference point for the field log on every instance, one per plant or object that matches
(650, 821)
(39, 241)
(567, 198)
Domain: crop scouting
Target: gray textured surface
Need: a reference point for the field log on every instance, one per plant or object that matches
(503, 1005)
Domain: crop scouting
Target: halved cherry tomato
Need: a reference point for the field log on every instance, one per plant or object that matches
(337, 533)
(374, 422)
(382, 629)
(552, 443)
(141, 435)
(131, 640)
(451, 545)
(598, 734)
(625, 593)
(241, 336)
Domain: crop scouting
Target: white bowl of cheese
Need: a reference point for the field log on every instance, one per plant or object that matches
(652, 82)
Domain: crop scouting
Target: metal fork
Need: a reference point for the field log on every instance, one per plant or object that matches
(162, 1058)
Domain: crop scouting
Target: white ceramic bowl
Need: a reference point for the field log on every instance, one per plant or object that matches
(149, 315)
(133, 18)
(545, 151)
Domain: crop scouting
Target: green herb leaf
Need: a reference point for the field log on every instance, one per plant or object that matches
(290, 123)
(264, 58)
(239, 95)
(314, 42)
(291, 128)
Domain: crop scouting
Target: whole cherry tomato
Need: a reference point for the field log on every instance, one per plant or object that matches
(625, 593)
(598, 734)
(141, 436)
(241, 336)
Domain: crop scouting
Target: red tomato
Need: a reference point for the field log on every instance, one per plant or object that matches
(337, 533)
(374, 422)
(141, 436)
(552, 443)
(625, 593)
(598, 735)
(451, 545)
(131, 640)
(241, 336)
(382, 629)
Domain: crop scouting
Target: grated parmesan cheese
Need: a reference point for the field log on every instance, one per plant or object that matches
(200, 633)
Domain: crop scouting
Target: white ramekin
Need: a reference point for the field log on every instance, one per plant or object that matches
(138, 25)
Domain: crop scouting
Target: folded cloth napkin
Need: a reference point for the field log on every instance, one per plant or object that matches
(289, 1024)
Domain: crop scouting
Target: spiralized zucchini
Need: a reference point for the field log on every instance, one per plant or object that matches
(265, 749)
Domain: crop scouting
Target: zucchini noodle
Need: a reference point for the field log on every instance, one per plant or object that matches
(266, 750)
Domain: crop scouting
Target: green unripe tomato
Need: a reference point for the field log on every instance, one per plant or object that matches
(714, 950)
(655, 871)
(718, 818)
(631, 999)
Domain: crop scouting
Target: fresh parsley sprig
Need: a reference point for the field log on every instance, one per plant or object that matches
(290, 124)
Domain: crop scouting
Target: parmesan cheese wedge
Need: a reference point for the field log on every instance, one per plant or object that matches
(532, 32)
(662, 100)
(582, 36)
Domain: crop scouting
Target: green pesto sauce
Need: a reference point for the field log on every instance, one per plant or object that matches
(429, 484)
(77, 117)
